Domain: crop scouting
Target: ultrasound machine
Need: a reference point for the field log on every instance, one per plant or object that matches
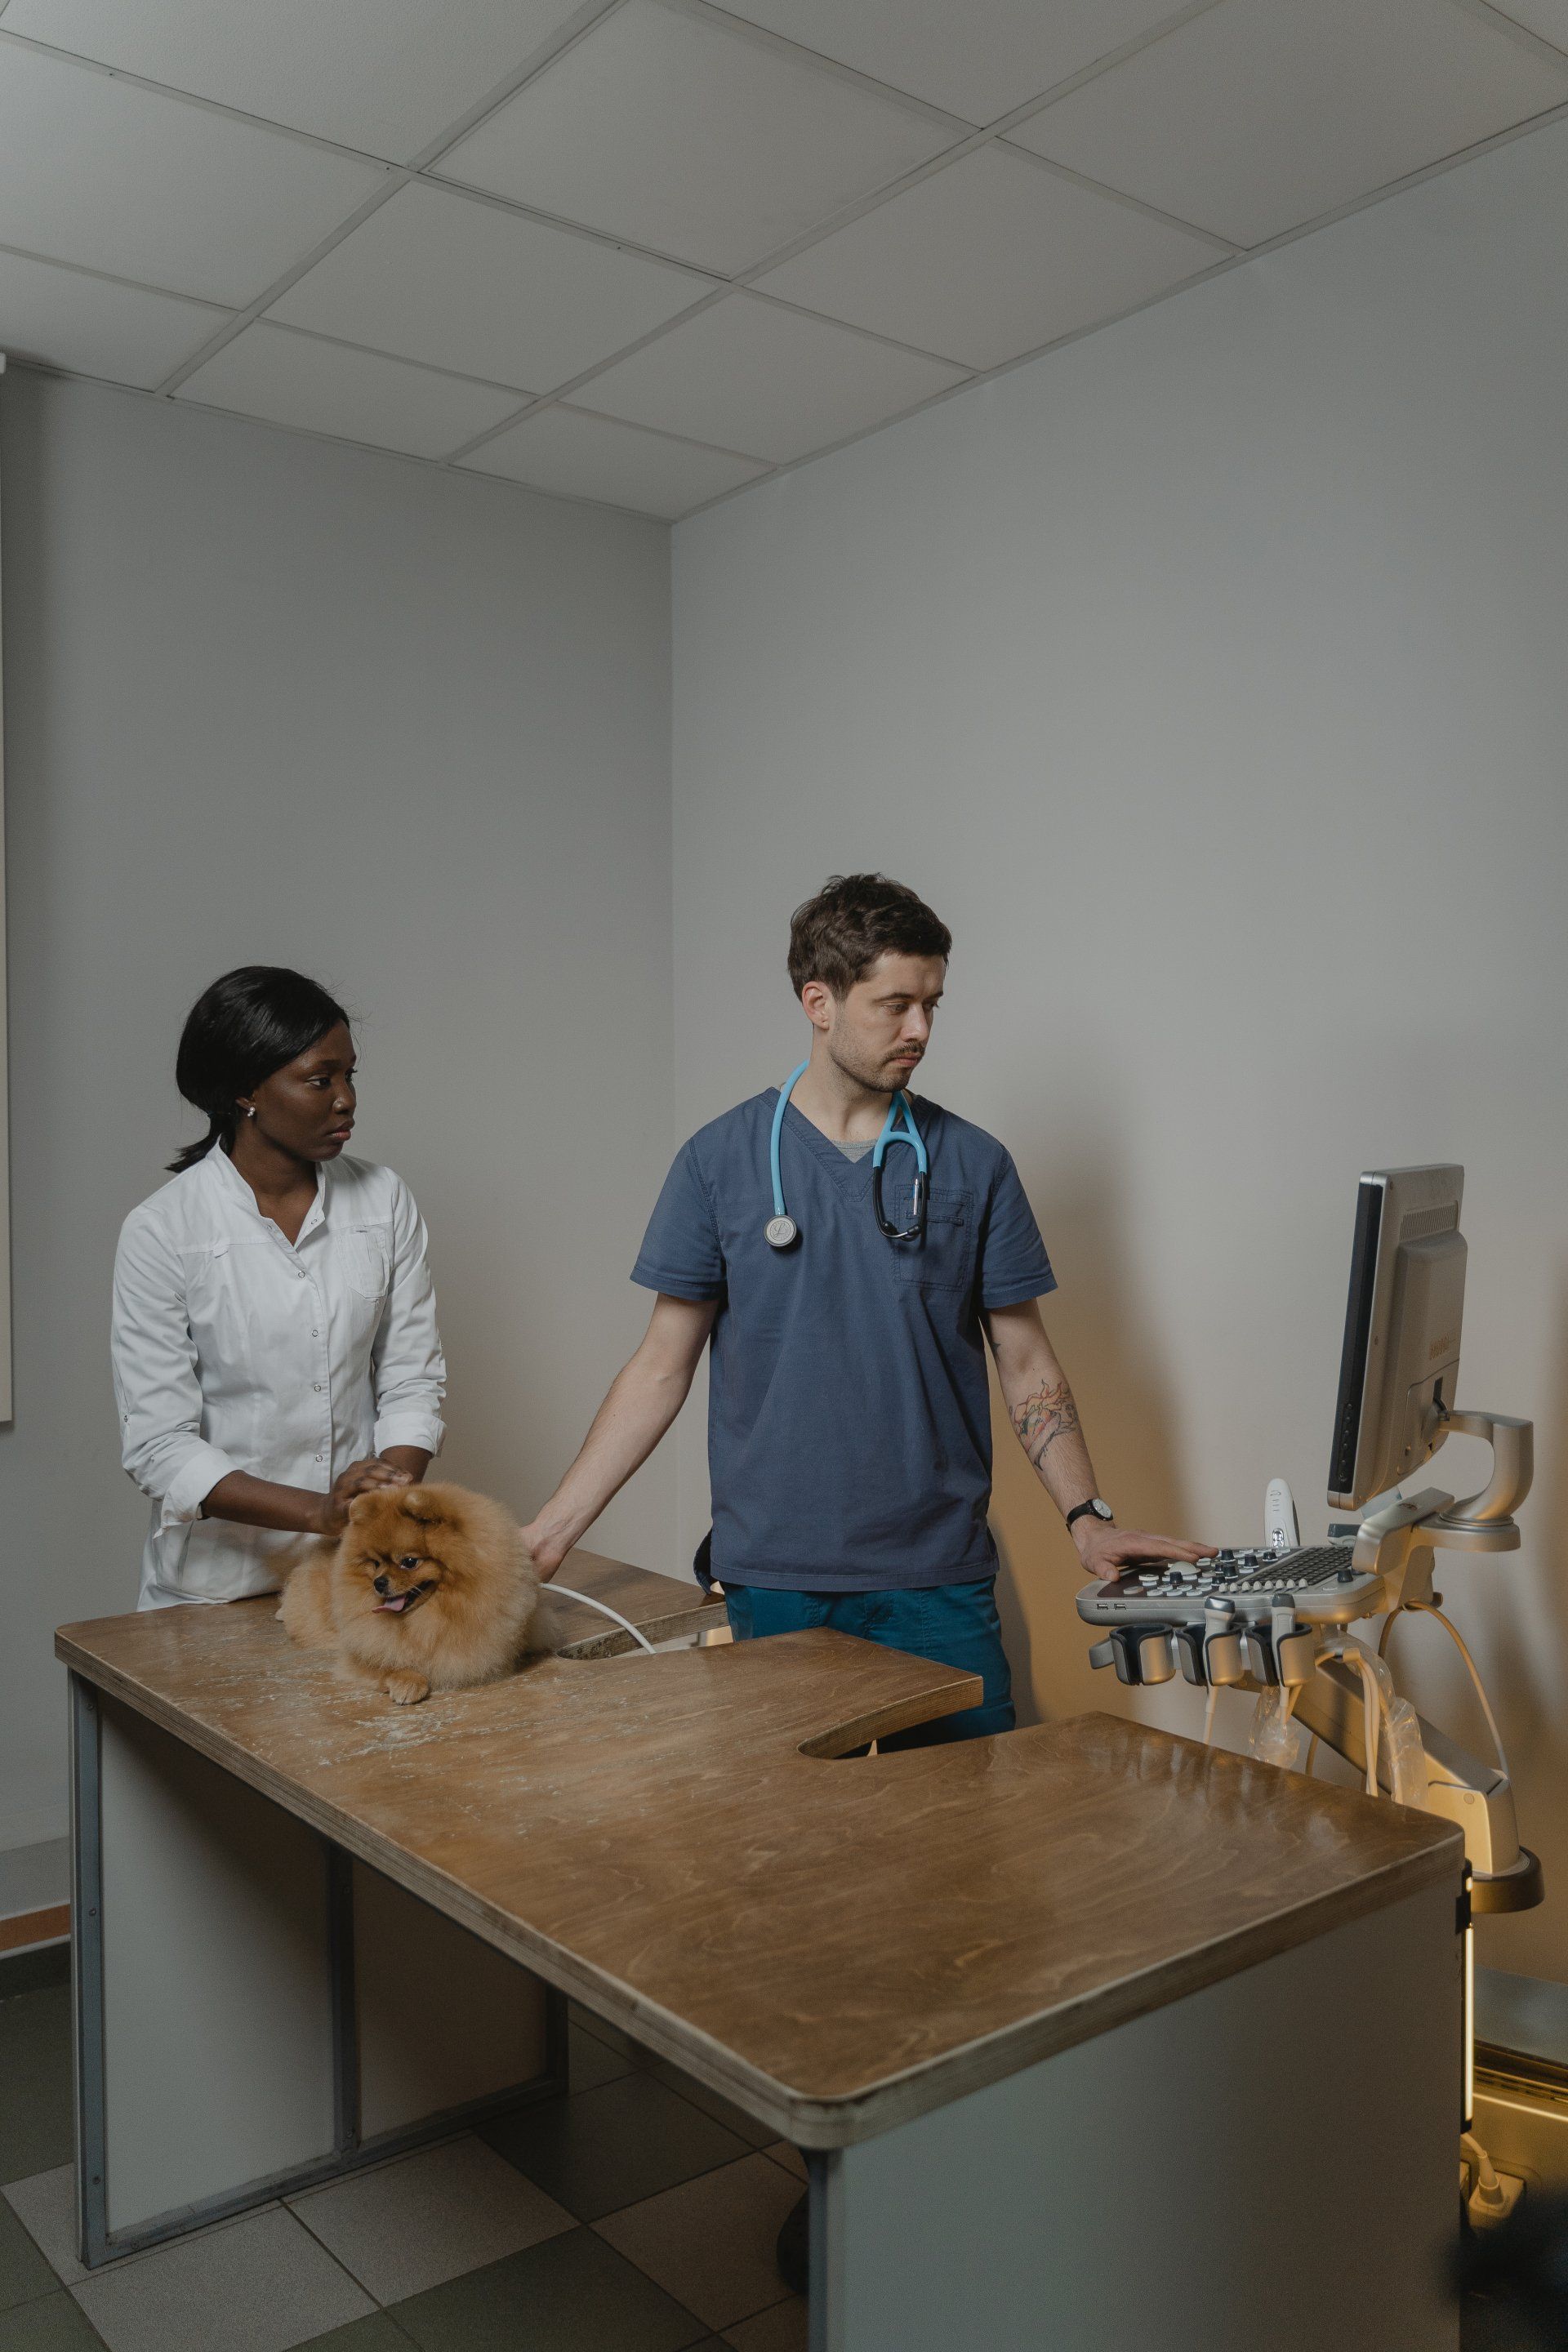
(1275, 1620)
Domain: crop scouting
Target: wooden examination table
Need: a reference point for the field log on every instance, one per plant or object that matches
(1094, 2038)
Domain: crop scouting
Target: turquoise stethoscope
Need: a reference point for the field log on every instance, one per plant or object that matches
(780, 1232)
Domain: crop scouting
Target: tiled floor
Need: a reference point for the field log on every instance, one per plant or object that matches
(635, 2214)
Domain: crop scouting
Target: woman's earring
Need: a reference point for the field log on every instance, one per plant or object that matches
(249, 1110)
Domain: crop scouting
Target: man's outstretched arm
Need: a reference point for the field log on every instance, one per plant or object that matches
(1045, 1416)
(644, 1399)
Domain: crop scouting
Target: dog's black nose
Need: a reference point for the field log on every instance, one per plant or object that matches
(383, 1585)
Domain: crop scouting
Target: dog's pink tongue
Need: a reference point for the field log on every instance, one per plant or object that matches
(401, 1602)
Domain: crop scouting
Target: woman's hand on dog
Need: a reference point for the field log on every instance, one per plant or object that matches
(357, 1479)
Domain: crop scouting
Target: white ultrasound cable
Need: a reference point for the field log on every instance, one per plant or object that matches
(605, 1610)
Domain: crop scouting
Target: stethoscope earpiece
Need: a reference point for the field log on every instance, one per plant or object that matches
(782, 1232)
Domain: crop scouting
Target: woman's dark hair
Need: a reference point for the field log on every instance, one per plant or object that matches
(837, 936)
(238, 1031)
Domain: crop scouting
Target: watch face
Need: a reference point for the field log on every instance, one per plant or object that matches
(1101, 1510)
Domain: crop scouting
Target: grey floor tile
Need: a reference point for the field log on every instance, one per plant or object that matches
(790, 2157)
(598, 2150)
(430, 2217)
(52, 2325)
(571, 2295)
(602, 2029)
(734, 2118)
(783, 2329)
(259, 2284)
(25, 2275)
(36, 2069)
(710, 2243)
(47, 2207)
(593, 2062)
(377, 2334)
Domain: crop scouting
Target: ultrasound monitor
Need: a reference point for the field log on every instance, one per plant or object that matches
(1401, 1355)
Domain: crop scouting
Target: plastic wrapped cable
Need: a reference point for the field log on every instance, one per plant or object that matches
(1389, 1723)
(1275, 1739)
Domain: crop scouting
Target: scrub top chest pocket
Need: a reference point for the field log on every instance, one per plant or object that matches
(945, 1259)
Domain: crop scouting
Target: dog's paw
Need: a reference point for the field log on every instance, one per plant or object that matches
(405, 1690)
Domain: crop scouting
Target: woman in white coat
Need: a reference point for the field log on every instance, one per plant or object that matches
(274, 1346)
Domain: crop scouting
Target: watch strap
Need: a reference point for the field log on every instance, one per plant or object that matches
(1088, 1510)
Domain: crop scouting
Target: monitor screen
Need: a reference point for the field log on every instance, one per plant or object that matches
(1400, 1356)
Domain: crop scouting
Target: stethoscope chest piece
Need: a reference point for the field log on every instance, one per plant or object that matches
(782, 1232)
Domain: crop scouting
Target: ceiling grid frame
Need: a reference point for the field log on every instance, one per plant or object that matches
(578, 29)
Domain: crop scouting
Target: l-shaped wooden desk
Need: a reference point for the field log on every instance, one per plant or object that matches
(1093, 2037)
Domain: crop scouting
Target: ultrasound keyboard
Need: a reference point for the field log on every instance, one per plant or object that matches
(1317, 1580)
(1241, 1613)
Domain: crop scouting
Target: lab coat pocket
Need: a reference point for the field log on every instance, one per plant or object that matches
(367, 1259)
(945, 1259)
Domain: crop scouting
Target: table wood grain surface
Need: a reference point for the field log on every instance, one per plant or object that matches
(682, 1842)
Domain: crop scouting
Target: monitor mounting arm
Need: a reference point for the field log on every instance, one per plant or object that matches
(1397, 1543)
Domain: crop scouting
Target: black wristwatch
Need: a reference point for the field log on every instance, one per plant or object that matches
(1100, 1508)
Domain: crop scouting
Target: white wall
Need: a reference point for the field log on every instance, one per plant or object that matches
(1209, 676)
(272, 699)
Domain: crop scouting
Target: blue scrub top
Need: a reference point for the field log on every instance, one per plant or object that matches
(848, 1419)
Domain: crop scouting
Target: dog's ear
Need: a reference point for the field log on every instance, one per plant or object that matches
(365, 1506)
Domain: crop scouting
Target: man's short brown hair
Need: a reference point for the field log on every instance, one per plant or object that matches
(837, 936)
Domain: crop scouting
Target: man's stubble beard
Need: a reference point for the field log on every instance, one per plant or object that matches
(876, 1078)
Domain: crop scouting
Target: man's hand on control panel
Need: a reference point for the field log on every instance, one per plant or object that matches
(1105, 1549)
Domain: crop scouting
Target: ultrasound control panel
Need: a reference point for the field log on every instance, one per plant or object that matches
(1317, 1581)
(1241, 1614)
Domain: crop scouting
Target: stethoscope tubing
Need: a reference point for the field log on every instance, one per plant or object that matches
(899, 1127)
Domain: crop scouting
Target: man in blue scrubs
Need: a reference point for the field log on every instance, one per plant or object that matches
(850, 1422)
(849, 1426)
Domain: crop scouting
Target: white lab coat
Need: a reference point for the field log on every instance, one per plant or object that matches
(233, 1350)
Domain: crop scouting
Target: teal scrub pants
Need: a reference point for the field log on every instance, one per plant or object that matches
(954, 1624)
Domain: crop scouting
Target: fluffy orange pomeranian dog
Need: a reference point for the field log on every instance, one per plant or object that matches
(427, 1588)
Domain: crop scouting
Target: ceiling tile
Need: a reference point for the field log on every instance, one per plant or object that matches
(435, 276)
(979, 60)
(94, 326)
(749, 376)
(100, 172)
(583, 457)
(992, 256)
(292, 379)
(1262, 115)
(1547, 18)
(388, 76)
(705, 143)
